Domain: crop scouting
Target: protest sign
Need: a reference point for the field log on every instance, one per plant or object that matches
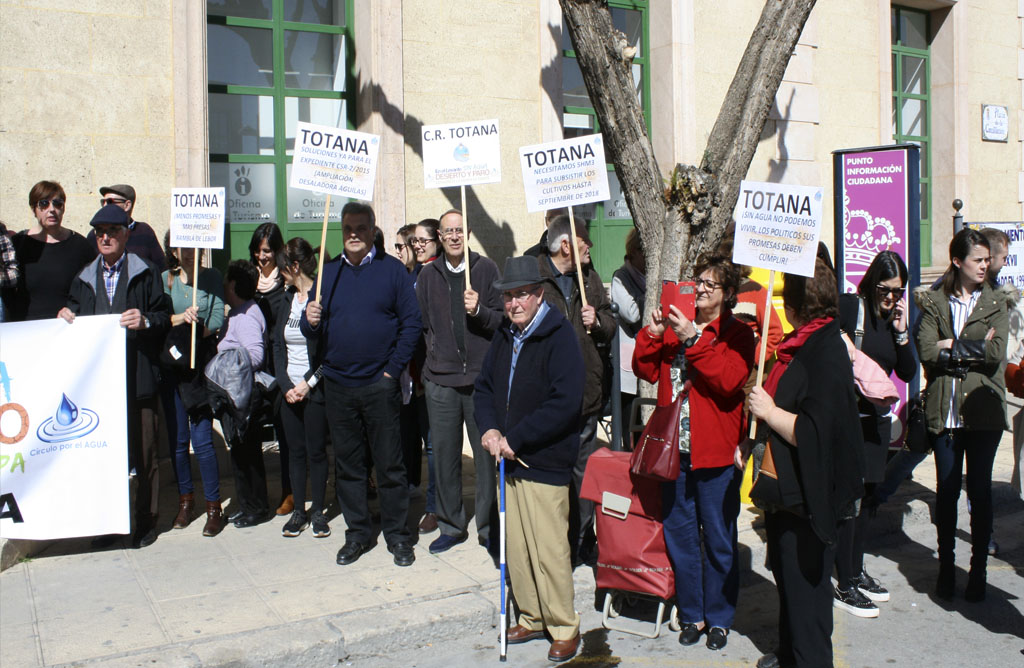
(461, 154)
(777, 228)
(197, 217)
(63, 429)
(564, 173)
(336, 162)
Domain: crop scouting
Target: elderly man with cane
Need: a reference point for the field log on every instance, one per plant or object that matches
(527, 404)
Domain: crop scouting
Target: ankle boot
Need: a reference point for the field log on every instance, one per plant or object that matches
(186, 504)
(946, 582)
(975, 592)
(287, 504)
(214, 519)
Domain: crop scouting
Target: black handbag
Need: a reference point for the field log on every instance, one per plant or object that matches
(918, 440)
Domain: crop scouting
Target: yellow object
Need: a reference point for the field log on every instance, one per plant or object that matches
(748, 482)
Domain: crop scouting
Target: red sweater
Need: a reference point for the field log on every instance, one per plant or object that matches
(718, 365)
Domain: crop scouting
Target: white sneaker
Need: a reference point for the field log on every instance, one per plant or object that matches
(854, 603)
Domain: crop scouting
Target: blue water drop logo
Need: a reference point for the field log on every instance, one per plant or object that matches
(67, 412)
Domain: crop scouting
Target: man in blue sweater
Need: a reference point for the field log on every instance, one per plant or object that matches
(527, 404)
(369, 321)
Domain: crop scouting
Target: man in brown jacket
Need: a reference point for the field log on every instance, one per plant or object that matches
(594, 326)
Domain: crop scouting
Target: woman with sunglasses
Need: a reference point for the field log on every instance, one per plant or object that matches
(880, 304)
(707, 360)
(49, 254)
(962, 344)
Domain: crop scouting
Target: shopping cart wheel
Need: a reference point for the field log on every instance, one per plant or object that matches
(614, 607)
(673, 620)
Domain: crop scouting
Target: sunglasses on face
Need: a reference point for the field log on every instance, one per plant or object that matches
(112, 200)
(399, 247)
(107, 232)
(883, 291)
(44, 204)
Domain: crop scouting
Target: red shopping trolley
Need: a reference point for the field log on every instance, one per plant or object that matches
(632, 558)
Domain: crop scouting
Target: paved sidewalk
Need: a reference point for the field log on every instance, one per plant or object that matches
(251, 597)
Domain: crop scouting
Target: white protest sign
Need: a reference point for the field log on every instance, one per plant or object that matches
(461, 154)
(197, 217)
(63, 429)
(334, 161)
(778, 227)
(564, 173)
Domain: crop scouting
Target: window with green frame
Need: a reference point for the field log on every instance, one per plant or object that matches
(911, 102)
(271, 63)
(610, 220)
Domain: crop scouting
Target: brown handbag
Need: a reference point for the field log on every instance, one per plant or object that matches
(657, 453)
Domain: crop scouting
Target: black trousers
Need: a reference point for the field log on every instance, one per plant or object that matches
(305, 427)
(802, 566)
(142, 455)
(372, 410)
(249, 472)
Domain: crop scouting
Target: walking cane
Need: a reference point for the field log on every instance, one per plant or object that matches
(503, 620)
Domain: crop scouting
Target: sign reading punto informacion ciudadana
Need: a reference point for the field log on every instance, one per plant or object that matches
(564, 173)
(334, 161)
(778, 227)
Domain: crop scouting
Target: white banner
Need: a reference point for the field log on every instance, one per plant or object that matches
(564, 173)
(778, 227)
(334, 161)
(461, 154)
(63, 429)
(197, 217)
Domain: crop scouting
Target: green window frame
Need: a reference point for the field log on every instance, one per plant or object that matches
(608, 225)
(284, 93)
(911, 102)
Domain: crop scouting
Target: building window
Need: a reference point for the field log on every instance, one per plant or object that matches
(911, 106)
(271, 63)
(610, 221)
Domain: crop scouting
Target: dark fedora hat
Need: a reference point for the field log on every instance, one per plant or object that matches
(519, 271)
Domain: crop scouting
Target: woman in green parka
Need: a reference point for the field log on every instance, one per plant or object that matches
(962, 345)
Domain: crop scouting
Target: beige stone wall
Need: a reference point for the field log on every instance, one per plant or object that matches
(86, 99)
(466, 61)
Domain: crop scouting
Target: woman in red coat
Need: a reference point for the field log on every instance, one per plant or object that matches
(710, 359)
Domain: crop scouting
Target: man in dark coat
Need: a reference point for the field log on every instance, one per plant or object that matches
(118, 281)
(527, 406)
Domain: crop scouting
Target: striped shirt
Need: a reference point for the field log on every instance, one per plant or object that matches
(959, 311)
(110, 276)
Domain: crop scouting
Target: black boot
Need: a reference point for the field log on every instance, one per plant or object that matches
(946, 582)
(975, 592)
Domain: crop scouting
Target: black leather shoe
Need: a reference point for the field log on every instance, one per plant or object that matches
(235, 515)
(773, 661)
(404, 556)
(946, 582)
(717, 637)
(351, 551)
(249, 520)
(144, 540)
(690, 634)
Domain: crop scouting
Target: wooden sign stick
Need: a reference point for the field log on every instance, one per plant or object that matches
(579, 265)
(195, 292)
(323, 249)
(764, 340)
(465, 235)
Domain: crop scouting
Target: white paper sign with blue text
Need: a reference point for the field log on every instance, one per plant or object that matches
(334, 161)
(564, 173)
(461, 154)
(197, 217)
(778, 227)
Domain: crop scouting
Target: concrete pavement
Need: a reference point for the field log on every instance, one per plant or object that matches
(253, 598)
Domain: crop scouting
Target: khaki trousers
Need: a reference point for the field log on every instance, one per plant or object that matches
(537, 517)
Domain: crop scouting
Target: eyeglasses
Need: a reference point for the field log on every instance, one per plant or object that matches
(107, 231)
(399, 247)
(517, 296)
(710, 286)
(112, 200)
(453, 233)
(417, 241)
(44, 204)
(883, 291)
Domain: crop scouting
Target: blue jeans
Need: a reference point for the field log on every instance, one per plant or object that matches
(198, 426)
(951, 447)
(703, 501)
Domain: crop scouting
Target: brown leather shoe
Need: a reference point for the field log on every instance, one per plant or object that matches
(428, 523)
(287, 505)
(214, 519)
(563, 650)
(186, 504)
(520, 634)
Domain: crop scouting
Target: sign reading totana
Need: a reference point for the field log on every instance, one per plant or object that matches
(461, 154)
(778, 227)
(564, 173)
(334, 161)
(197, 217)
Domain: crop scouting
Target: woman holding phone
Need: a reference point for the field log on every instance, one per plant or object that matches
(707, 360)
